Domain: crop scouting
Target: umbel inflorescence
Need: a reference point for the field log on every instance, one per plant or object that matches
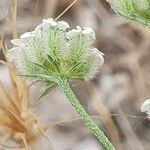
(137, 10)
(55, 56)
(51, 50)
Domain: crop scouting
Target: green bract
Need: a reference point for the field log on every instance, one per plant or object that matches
(51, 52)
(137, 10)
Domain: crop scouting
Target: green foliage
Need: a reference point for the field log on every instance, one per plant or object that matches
(137, 10)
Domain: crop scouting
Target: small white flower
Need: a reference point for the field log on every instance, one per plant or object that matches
(146, 107)
(100, 55)
(73, 32)
(27, 35)
(18, 42)
(50, 21)
(89, 32)
(38, 30)
(12, 53)
(46, 22)
(78, 28)
(63, 25)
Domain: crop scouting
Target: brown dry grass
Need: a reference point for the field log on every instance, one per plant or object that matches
(17, 119)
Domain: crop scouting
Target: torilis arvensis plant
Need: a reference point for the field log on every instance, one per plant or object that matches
(55, 56)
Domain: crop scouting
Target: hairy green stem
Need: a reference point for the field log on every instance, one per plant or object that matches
(64, 85)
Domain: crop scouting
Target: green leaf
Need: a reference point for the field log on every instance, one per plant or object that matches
(46, 90)
(40, 77)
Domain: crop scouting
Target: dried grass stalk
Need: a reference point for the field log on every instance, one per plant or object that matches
(17, 120)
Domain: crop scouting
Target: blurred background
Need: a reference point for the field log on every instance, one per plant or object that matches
(113, 98)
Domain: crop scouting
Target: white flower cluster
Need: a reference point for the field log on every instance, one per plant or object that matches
(55, 40)
(62, 25)
(146, 107)
(89, 32)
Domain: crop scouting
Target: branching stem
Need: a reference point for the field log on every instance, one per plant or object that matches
(87, 120)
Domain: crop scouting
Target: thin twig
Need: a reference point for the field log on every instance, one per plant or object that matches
(14, 17)
(34, 15)
(93, 116)
(4, 27)
(66, 10)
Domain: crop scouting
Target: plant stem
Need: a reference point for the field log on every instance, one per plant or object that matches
(87, 120)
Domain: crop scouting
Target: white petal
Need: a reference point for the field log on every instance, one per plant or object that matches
(63, 25)
(99, 55)
(26, 35)
(146, 106)
(11, 55)
(50, 21)
(89, 32)
(18, 42)
(72, 33)
(38, 30)
(78, 28)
